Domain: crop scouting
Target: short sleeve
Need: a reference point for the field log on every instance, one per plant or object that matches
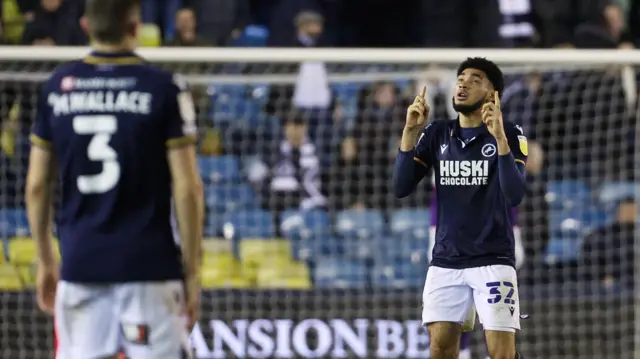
(41, 134)
(423, 152)
(517, 143)
(181, 115)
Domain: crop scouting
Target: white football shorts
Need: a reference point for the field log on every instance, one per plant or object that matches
(450, 294)
(145, 320)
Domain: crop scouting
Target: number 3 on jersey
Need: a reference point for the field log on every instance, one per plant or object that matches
(101, 127)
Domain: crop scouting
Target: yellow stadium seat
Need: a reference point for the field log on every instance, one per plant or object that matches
(12, 20)
(253, 252)
(9, 278)
(216, 245)
(150, 36)
(220, 277)
(294, 275)
(22, 250)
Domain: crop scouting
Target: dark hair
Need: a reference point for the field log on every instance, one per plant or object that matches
(109, 19)
(494, 74)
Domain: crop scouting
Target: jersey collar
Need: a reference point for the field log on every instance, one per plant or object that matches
(455, 129)
(113, 58)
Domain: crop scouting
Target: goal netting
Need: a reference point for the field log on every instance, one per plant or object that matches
(308, 252)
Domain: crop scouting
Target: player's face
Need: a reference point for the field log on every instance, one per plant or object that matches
(473, 89)
(295, 133)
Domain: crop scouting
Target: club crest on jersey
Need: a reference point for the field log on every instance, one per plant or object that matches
(488, 150)
(464, 173)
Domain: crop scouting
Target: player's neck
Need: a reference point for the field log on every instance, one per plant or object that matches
(471, 120)
(125, 46)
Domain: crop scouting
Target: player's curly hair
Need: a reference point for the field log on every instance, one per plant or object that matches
(494, 74)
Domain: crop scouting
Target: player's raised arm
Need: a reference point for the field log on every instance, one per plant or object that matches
(187, 189)
(512, 151)
(39, 198)
(412, 161)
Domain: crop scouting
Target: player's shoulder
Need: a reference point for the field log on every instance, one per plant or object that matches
(437, 126)
(512, 129)
(62, 76)
(168, 78)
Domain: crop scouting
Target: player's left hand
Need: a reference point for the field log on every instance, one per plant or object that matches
(47, 277)
(492, 117)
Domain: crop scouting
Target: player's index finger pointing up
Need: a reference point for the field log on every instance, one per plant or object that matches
(496, 99)
(423, 93)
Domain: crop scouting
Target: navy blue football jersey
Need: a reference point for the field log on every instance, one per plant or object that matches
(473, 215)
(108, 121)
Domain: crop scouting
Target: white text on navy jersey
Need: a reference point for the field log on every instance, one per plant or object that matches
(464, 173)
(100, 101)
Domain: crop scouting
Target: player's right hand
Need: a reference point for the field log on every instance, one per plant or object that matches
(47, 277)
(418, 112)
(192, 300)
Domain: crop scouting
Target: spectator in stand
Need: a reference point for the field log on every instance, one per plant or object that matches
(163, 14)
(466, 23)
(221, 21)
(310, 95)
(517, 28)
(360, 177)
(312, 86)
(290, 176)
(16, 109)
(606, 30)
(607, 253)
(186, 30)
(54, 22)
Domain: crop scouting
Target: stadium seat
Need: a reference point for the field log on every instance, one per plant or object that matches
(347, 91)
(359, 248)
(236, 111)
(222, 169)
(398, 274)
(415, 221)
(13, 222)
(567, 194)
(316, 246)
(340, 273)
(611, 193)
(292, 276)
(256, 252)
(359, 224)
(299, 225)
(13, 21)
(216, 245)
(150, 36)
(212, 278)
(253, 36)
(228, 92)
(221, 198)
(22, 251)
(222, 270)
(576, 221)
(248, 224)
(563, 249)
(405, 247)
(10, 278)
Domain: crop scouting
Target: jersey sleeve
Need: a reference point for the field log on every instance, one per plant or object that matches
(181, 115)
(423, 153)
(41, 134)
(517, 143)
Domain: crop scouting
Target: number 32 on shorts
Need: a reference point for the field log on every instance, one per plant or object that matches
(498, 295)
